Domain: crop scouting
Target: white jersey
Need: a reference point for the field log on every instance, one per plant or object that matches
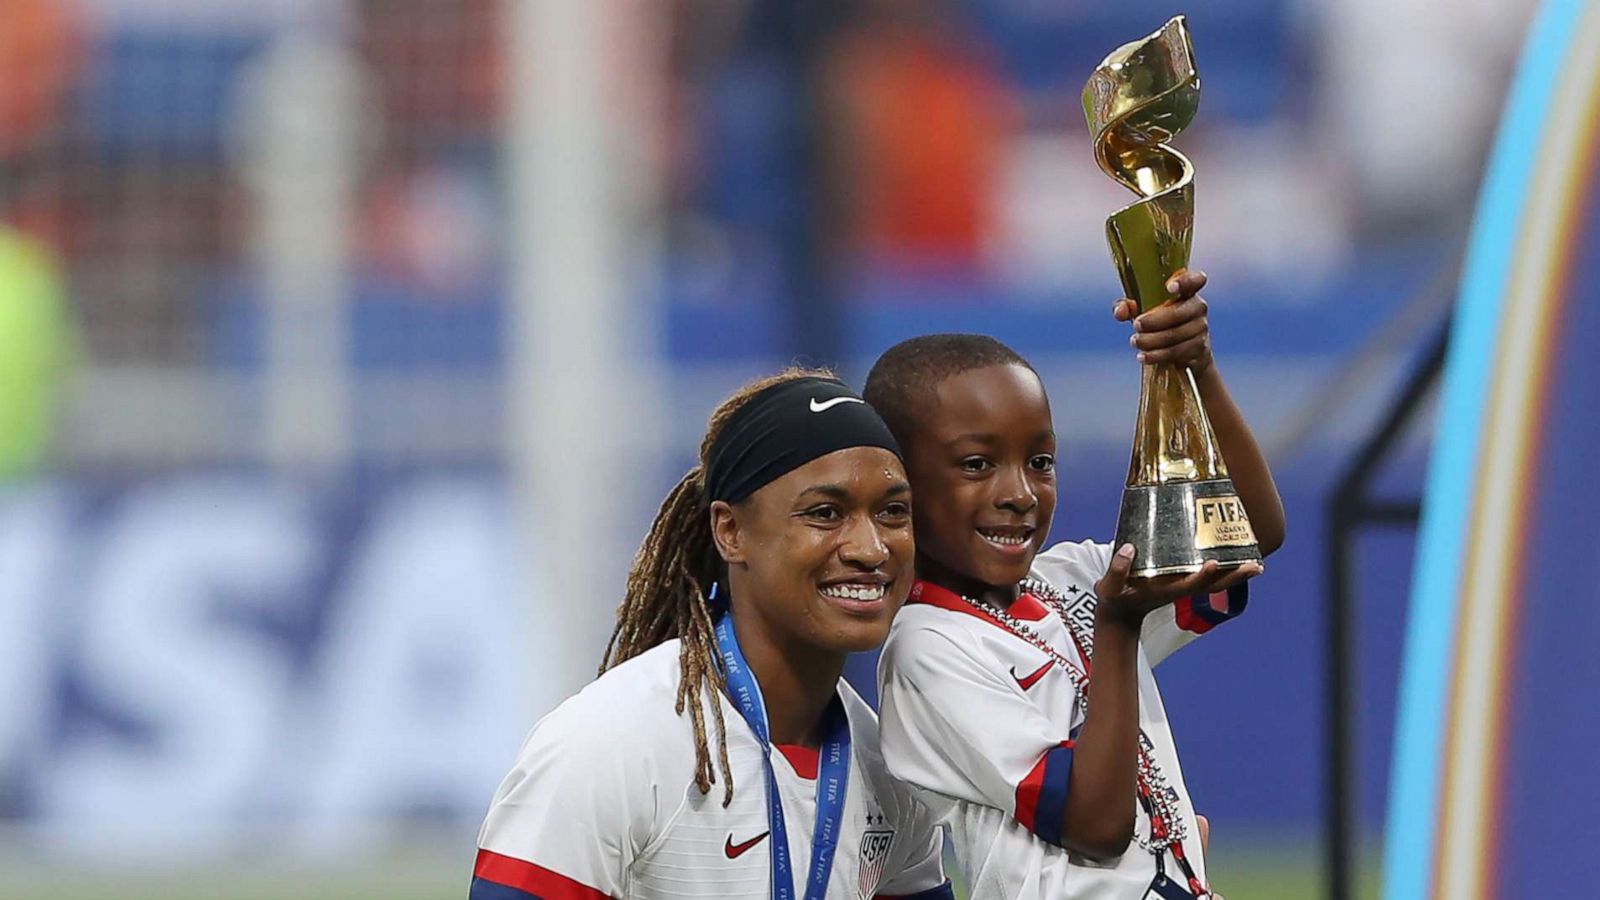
(982, 723)
(602, 803)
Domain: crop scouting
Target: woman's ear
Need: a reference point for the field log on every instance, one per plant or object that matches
(725, 532)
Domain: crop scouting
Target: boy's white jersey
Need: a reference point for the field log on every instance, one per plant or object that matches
(602, 803)
(982, 724)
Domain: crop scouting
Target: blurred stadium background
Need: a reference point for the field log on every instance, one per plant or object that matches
(346, 346)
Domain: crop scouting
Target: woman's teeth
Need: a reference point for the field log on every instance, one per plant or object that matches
(854, 591)
(1005, 540)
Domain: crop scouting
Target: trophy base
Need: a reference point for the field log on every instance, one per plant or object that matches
(1177, 527)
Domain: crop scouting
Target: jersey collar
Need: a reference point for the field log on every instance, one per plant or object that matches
(1026, 607)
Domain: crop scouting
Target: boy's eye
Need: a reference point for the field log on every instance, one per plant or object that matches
(1044, 462)
(975, 464)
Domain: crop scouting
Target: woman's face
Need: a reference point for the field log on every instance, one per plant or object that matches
(823, 555)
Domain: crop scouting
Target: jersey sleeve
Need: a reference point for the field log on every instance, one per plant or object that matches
(568, 819)
(953, 727)
(1171, 628)
(919, 873)
(1074, 568)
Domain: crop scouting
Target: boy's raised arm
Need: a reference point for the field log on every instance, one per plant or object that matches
(1178, 332)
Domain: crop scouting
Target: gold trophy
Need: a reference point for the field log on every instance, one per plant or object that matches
(1179, 507)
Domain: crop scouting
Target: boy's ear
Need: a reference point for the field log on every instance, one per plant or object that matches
(725, 532)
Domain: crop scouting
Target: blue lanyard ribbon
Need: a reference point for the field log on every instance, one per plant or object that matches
(832, 775)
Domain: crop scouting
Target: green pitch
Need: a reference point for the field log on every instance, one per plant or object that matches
(1248, 871)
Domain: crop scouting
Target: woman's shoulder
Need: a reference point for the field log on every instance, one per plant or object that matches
(632, 704)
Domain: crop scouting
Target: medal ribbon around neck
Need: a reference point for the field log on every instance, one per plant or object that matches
(832, 775)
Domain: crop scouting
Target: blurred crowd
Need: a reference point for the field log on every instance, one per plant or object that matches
(950, 140)
(886, 152)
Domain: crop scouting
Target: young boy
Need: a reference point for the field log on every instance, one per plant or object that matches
(987, 670)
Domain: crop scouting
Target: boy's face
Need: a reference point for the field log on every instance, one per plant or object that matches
(982, 468)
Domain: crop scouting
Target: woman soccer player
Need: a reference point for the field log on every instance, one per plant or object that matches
(786, 549)
(1016, 688)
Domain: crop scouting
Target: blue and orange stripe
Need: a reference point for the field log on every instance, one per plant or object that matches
(1446, 783)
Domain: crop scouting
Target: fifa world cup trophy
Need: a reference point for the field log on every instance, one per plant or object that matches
(1179, 507)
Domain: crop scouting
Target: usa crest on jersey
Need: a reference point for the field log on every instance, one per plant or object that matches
(874, 853)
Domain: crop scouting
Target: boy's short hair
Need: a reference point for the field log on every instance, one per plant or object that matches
(903, 378)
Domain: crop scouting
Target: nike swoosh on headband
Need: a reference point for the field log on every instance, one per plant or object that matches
(829, 404)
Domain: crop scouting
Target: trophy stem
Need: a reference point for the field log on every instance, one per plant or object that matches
(1172, 438)
(1179, 507)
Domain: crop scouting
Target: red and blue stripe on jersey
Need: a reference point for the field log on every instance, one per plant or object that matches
(1199, 613)
(497, 877)
(1042, 795)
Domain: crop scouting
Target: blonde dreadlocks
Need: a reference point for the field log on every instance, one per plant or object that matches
(666, 595)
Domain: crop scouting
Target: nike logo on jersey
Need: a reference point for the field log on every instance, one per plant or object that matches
(830, 404)
(734, 851)
(1031, 679)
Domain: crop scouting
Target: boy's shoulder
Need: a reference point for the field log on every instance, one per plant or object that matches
(932, 631)
(933, 617)
(939, 636)
(1072, 567)
(920, 624)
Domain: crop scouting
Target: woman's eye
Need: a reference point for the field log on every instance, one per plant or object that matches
(1044, 462)
(974, 464)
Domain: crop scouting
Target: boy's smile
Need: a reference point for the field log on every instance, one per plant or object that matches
(982, 467)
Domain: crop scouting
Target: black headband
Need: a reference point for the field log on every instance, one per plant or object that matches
(786, 426)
